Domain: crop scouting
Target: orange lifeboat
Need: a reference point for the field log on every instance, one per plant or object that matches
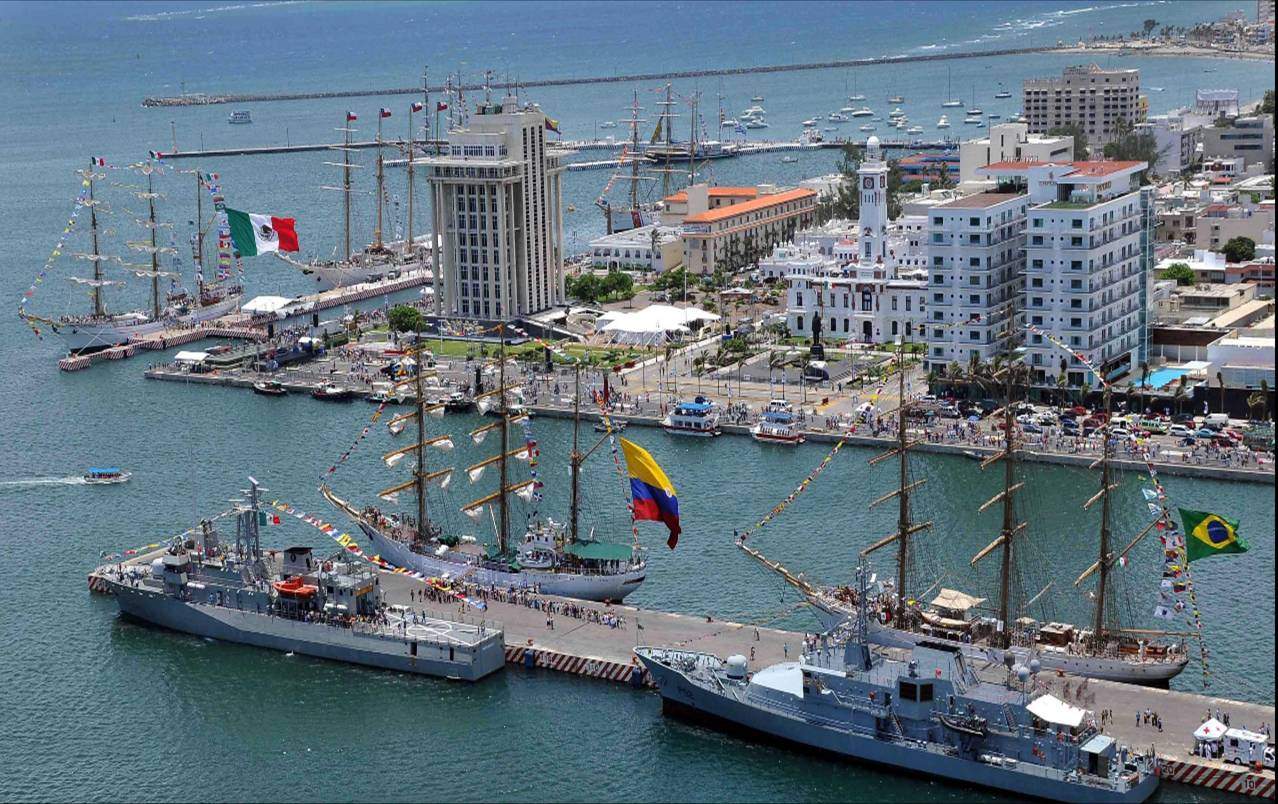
(293, 587)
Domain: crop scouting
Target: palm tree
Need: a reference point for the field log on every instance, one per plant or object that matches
(1220, 379)
(1255, 400)
(1264, 398)
(1144, 382)
(1178, 397)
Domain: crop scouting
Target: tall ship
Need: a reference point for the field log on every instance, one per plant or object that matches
(169, 308)
(554, 558)
(380, 259)
(930, 714)
(1103, 649)
(636, 211)
(329, 609)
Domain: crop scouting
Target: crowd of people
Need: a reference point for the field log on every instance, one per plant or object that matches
(528, 598)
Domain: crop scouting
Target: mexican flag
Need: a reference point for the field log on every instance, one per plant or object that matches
(257, 234)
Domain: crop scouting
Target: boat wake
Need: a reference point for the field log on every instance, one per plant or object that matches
(32, 482)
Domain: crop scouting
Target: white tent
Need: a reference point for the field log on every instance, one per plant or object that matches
(1053, 710)
(654, 324)
(1212, 729)
(265, 304)
(190, 358)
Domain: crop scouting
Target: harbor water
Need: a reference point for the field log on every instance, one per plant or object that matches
(100, 707)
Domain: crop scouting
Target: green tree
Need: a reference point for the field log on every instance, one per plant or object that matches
(1080, 138)
(586, 287)
(1267, 102)
(618, 285)
(1132, 145)
(405, 318)
(1180, 271)
(944, 180)
(1239, 249)
(895, 180)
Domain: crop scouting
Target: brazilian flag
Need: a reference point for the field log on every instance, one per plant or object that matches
(1210, 535)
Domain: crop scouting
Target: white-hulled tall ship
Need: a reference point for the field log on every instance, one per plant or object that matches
(551, 557)
(954, 618)
(379, 259)
(102, 329)
(635, 212)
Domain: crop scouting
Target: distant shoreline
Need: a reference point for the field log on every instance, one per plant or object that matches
(1183, 51)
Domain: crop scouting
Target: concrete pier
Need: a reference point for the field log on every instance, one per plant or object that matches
(241, 326)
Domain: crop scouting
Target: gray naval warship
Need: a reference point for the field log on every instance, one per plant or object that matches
(930, 714)
(331, 609)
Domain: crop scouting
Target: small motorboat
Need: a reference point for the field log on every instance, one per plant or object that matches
(240, 117)
(789, 159)
(269, 388)
(617, 426)
(106, 476)
(1003, 94)
(331, 392)
(457, 402)
(896, 99)
(294, 587)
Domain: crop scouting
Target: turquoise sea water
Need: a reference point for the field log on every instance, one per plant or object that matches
(102, 708)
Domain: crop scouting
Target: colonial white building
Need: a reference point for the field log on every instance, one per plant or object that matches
(1088, 254)
(868, 299)
(976, 262)
(496, 196)
(650, 248)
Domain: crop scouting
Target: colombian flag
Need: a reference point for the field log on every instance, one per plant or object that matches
(652, 494)
(1210, 535)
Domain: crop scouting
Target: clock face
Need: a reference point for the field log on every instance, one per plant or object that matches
(868, 183)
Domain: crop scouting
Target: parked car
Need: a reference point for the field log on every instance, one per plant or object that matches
(1183, 418)
(1205, 432)
(1031, 427)
(1180, 431)
(1154, 425)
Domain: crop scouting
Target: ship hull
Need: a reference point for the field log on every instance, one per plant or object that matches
(251, 627)
(94, 337)
(683, 696)
(1153, 674)
(581, 586)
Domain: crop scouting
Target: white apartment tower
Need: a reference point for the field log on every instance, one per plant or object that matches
(1087, 258)
(496, 196)
(976, 265)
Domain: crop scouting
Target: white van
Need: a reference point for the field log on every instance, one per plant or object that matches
(1247, 747)
(1216, 421)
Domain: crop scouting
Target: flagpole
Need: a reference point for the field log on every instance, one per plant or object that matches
(408, 242)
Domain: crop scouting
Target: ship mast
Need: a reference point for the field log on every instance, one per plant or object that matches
(634, 155)
(503, 525)
(377, 231)
(1010, 526)
(1102, 561)
(199, 232)
(346, 185)
(575, 459)
(98, 308)
(420, 475)
(904, 526)
(408, 242)
(155, 255)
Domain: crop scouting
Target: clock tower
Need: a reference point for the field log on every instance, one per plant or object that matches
(873, 223)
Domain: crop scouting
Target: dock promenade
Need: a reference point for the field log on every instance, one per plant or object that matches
(597, 640)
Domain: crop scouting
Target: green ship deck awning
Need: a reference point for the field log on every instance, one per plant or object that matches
(599, 551)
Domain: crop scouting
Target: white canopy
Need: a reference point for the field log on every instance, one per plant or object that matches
(958, 601)
(266, 304)
(1053, 710)
(656, 322)
(190, 357)
(1211, 729)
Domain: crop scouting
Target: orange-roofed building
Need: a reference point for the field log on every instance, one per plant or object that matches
(732, 226)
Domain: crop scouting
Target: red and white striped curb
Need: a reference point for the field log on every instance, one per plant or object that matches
(1232, 780)
(577, 665)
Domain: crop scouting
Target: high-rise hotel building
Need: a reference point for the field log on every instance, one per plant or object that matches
(497, 198)
(1088, 254)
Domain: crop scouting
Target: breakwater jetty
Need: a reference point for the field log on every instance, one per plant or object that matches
(263, 150)
(208, 99)
(597, 640)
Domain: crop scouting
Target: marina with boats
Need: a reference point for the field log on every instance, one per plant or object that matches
(462, 539)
